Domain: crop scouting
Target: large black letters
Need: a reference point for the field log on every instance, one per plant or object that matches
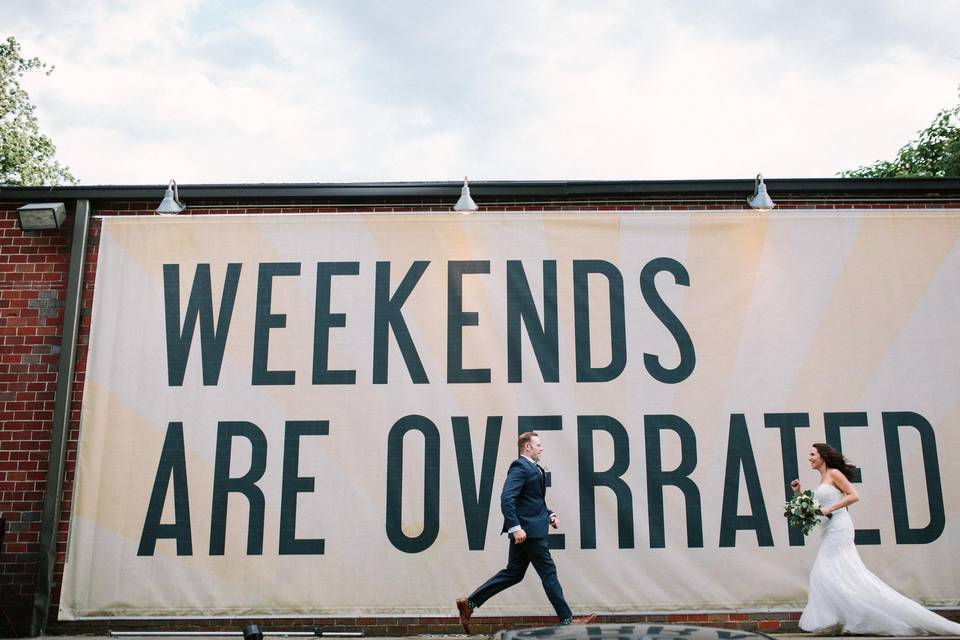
(657, 478)
(457, 319)
(892, 422)
(476, 499)
(586, 372)
(740, 455)
(832, 423)
(431, 484)
(788, 423)
(648, 287)
(224, 485)
(265, 321)
(545, 338)
(388, 315)
(172, 466)
(294, 484)
(544, 423)
(590, 479)
(324, 320)
(199, 306)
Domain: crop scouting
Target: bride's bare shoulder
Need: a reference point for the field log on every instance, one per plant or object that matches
(835, 478)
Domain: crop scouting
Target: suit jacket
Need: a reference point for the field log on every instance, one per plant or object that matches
(522, 500)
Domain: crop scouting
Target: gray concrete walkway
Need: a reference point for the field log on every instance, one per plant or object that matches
(783, 636)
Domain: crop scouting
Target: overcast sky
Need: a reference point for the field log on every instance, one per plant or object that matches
(226, 91)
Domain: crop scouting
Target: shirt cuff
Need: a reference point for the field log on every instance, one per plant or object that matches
(512, 529)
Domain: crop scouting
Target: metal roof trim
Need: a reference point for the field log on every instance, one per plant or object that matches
(494, 189)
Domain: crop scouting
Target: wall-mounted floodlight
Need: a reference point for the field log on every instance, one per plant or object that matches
(760, 200)
(465, 204)
(41, 216)
(171, 205)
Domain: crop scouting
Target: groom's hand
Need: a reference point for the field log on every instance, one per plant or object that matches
(554, 520)
(519, 536)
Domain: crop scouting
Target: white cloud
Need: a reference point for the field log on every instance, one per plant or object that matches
(215, 91)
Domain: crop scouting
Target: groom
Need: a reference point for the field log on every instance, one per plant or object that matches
(525, 519)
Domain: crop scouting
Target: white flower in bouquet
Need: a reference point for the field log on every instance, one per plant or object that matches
(802, 511)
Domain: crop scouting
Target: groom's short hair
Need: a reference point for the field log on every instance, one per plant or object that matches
(524, 438)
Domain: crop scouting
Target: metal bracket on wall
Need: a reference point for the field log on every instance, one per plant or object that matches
(53, 494)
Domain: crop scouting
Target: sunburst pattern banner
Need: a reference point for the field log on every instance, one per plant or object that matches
(314, 415)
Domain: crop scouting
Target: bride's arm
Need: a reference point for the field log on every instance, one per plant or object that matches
(846, 488)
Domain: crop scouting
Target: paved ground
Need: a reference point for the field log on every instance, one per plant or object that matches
(783, 636)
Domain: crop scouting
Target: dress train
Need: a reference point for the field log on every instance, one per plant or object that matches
(846, 597)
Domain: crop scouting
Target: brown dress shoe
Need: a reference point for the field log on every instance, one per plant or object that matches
(587, 619)
(465, 611)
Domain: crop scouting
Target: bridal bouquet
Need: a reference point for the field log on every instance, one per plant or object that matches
(802, 511)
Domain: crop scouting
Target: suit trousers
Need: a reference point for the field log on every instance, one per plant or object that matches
(537, 552)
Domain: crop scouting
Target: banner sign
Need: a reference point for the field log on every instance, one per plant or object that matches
(313, 415)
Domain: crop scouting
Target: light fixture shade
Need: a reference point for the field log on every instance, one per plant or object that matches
(41, 216)
(465, 204)
(171, 205)
(760, 200)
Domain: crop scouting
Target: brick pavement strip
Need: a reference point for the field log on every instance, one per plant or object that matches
(434, 636)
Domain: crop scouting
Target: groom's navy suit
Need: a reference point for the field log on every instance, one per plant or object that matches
(523, 503)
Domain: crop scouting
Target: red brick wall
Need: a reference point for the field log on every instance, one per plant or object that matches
(33, 279)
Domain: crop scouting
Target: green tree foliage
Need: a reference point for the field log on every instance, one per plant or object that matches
(26, 155)
(934, 153)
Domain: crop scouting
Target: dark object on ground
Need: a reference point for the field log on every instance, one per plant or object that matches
(3, 533)
(628, 631)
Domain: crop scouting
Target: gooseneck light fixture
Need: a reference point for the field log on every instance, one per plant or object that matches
(760, 200)
(171, 205)
(465, 204)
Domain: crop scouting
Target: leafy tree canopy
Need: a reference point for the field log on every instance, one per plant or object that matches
(26, 155)
(934, 153)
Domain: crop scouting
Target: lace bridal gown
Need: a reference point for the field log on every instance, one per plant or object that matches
(845, 596)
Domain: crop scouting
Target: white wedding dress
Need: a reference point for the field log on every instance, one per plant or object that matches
(846, 597)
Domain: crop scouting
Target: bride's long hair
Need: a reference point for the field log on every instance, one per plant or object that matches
(835, 460)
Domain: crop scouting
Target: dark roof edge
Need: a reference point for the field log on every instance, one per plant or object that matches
(501, 189)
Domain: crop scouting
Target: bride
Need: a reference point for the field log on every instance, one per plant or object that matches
(844, 595)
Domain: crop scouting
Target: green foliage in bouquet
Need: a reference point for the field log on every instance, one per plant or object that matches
(802, 511)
